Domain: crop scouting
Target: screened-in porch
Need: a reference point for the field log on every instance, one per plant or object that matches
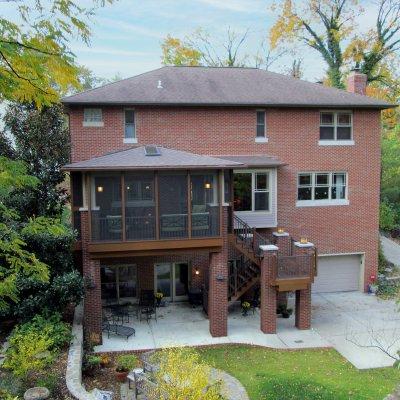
(136, 206)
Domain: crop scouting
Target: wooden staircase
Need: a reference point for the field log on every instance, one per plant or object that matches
(244, 272)
(291, 272)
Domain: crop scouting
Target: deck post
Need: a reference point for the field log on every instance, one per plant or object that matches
(218, 285)
(268, 292)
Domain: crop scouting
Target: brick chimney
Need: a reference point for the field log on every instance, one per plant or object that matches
(357, 82)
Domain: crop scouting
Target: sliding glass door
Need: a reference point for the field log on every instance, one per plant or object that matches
(172, 280)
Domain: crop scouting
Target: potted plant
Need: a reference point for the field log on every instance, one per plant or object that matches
(125, 363)
(286, 313)
(372, 286)
(245, 308)
(159, 297)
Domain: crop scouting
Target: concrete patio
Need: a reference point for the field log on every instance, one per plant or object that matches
(338, 320)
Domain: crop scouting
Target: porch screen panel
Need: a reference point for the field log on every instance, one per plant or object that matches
(106, 208)
(140, 212)
(173, 205)
(205, 205)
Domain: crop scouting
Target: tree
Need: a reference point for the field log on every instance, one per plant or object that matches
(41, 140)
(36, 63)
(175, 52)
(379, 43)
(321, 25)
(88, 80)
(201, 48)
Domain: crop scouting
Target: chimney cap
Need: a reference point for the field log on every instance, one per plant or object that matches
(356, 67)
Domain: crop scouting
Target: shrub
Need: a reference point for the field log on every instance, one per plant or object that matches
(6, 395)
(33, 345)
(54, 297)
(49, 381)
(382, 263)
(126, 362)
(387, 217)
(188, 377)
(28, 352)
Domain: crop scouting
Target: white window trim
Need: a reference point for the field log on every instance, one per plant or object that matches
(134, 139)
(253, 173)
(95, 124)
(335, 141)
(324, 202)
(262, 139)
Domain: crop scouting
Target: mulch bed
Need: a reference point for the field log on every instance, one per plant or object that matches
(103, 379)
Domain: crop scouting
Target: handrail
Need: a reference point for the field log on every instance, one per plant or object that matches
(248, 235)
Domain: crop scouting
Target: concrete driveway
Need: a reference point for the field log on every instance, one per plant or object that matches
(353, 319)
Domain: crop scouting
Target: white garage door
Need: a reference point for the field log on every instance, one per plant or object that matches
(337, 274)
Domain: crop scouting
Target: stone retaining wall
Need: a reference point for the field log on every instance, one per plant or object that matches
(73, 374)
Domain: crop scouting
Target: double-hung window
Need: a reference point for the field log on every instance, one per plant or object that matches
(322, 188)
(252, 191)
(261, 128)
(336, 127)
(93, 117)
(130, 128)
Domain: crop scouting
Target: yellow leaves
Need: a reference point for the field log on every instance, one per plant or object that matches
(176, 52)
(183, 376)
(286, 26)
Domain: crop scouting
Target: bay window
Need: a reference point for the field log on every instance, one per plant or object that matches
(252, 191)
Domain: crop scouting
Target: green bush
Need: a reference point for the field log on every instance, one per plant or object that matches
(34, 345)
(49, 381)
(387, 217)
(6, 395)
(54, 297)
(382, 263)
(126, 362)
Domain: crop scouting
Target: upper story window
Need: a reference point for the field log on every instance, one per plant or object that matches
(321, 188)
(336, 127)
(93, 117)
(261, 128)
(130, 129)
(252, 191)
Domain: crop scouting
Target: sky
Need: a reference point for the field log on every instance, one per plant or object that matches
(126, 35)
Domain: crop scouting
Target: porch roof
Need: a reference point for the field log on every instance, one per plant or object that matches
(255, 161)
(136, 159)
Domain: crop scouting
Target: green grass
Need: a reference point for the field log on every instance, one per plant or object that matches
(318, 374)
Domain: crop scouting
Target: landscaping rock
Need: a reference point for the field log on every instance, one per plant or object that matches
(37, 393)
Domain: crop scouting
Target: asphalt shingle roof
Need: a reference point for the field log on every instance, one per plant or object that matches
(135, 158)
(190, 86)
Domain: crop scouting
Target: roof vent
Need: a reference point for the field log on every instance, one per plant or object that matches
(159, 85)
(152, 151)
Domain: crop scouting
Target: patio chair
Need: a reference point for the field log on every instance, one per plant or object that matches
(147, 305)
(116, 329)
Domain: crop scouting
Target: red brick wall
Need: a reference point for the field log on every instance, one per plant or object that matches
(293, 138)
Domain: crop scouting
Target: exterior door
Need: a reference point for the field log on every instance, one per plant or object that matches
(172, 279)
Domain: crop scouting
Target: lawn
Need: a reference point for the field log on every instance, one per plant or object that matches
(301, 374)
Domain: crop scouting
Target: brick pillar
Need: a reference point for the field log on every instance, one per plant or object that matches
(303, 297)
(218, 285)
(268, 293)
(303, 308)
(91, 273)
(283, 241)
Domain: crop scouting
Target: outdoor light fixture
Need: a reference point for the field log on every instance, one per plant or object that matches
(100, 189)
(128, 188)
(196, 271)
(207, 185)
(280, 230)
(303, 240)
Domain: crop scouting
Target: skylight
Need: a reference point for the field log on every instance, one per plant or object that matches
(152, 151)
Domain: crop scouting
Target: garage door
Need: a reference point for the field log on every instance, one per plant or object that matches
(337, 274)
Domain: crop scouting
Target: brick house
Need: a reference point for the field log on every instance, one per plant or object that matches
(224, 180)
